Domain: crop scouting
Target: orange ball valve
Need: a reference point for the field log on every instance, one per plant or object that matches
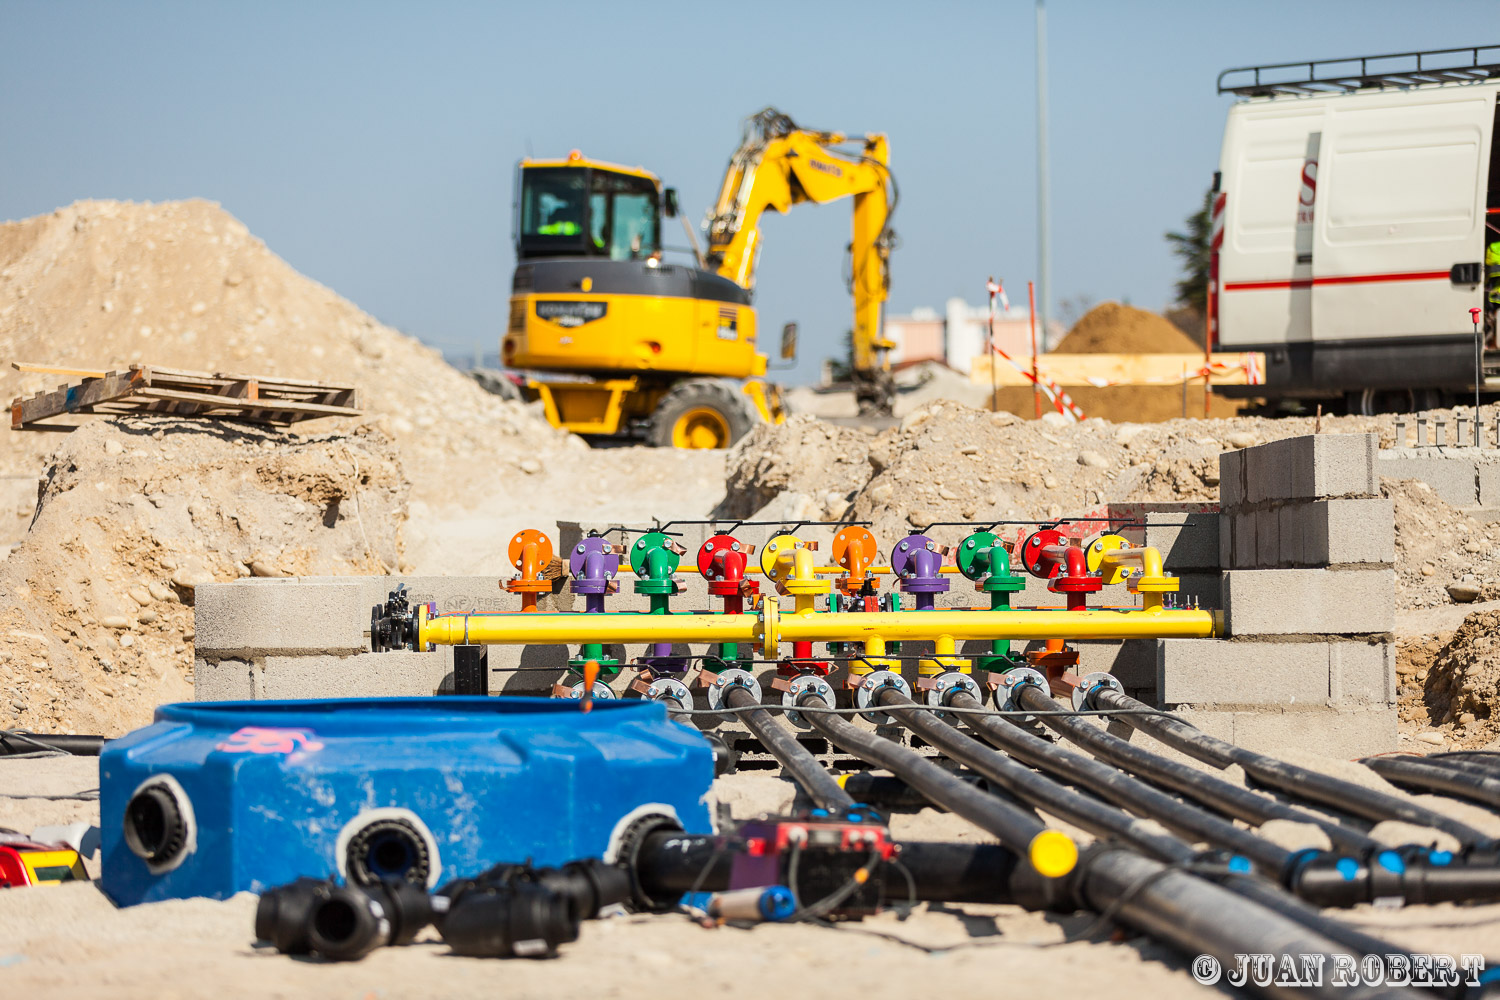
(531, 554)
(854, 549)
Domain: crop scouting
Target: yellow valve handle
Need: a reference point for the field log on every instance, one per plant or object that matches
(1095, 551)
(771, 554)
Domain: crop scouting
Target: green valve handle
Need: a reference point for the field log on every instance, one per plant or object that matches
(983, 558)
(654, 557)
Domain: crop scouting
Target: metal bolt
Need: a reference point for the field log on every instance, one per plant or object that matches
(969, 544)
(903, 546)
(707, 546)
(1099, 546)
(579, 550)
(641, 544)
(735, 547)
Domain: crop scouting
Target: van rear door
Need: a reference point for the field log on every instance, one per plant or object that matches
(1401, 199)
(1265, 283)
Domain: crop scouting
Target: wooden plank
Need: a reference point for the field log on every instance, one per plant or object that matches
(70, 399)
(208, 401)
(1123, 369)
(23, 366)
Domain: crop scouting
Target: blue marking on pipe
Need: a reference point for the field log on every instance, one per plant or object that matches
(1440, 857)
(1391, 862)
(1239, 865)
(1347, 867)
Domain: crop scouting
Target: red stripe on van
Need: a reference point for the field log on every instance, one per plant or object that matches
(1335, 279)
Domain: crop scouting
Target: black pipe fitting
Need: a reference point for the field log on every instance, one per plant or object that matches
(340, 923)
(521, 920)
(155, 824)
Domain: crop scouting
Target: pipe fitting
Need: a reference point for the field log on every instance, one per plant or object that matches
(732, 678)
(946, 686)
(530, 553)
(869, 690)
(805, 684)
(1013, 681)
(670, 689)
(918, 561)
(601, 692)
(1089, 685)
(593, 564)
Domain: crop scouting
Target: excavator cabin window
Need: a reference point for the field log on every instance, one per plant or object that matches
(586, 212)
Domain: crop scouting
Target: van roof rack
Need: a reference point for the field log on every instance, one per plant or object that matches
(1335, 76)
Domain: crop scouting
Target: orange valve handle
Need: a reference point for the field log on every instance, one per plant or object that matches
(530, 552)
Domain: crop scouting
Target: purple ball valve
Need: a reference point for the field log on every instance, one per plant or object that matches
(918, 562)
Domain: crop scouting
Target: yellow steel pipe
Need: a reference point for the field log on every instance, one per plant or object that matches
(771, 627)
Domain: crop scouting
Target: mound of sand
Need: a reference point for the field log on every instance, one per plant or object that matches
(96, 623)
(1112, 328)
(103, 284)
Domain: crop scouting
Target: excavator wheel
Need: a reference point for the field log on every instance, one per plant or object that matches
(701, 413)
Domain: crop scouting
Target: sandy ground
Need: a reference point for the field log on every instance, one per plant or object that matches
(70, 941)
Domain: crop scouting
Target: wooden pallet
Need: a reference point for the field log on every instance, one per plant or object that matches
(145, 389)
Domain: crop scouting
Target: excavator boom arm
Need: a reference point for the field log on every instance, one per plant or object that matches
(779, 165)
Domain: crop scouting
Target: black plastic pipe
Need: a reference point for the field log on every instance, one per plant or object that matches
(1015, 827)
(13, 744)
(1424, 777)
(795, 759)
(671, 864)
(1357, 800)
(1124, 790)
(1021, 781)
(1231, 799)
(1487, 761)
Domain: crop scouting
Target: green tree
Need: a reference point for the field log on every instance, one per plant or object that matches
(1192, 248)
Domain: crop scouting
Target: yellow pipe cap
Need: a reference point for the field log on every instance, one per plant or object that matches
(1052, 853)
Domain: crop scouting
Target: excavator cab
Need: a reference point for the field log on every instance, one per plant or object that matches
(648, 345)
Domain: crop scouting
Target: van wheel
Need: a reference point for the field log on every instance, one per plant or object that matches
(701, 413)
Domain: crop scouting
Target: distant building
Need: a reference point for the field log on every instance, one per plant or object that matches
(958, 335)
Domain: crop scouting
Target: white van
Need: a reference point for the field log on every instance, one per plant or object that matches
(1353, 204)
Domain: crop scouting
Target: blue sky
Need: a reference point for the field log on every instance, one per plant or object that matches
(373, 144)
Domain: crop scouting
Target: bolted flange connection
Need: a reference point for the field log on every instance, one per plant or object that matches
(732, 678)
(601, 692)
(945, 686)
(1013, 681)
(670, 689)
(805, 684)
(870, 687)
(1090, 683)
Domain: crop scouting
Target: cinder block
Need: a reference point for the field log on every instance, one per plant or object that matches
(1133, 661)
(1202, 590)
(1231, 480)
(1187, 541)
(1343, 732)
(1268, 470)
(1489, 484)
(1267, 538)
(1338, 532)
(256, 617)
(1362, 672)
(1456, 480)
(1213, 671)
(1245, 548)
(1312, 467)
(1309, 601)
(1227, 522)
(363, 675)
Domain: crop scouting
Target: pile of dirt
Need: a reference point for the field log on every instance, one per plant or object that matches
(951, 462)
(815, 468)
(1113, 328)
(96, 621)
(103, 284)
(1441, 553)
(1453, 682)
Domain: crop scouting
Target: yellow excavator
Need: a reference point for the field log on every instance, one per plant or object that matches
(614, 341)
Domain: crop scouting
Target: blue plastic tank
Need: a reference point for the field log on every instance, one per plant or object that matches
(218, 797)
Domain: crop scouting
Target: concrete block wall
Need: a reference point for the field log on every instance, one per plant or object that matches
(1307, 547)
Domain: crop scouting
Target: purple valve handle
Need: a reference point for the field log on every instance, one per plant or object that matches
(593, 563)
(918, 562)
